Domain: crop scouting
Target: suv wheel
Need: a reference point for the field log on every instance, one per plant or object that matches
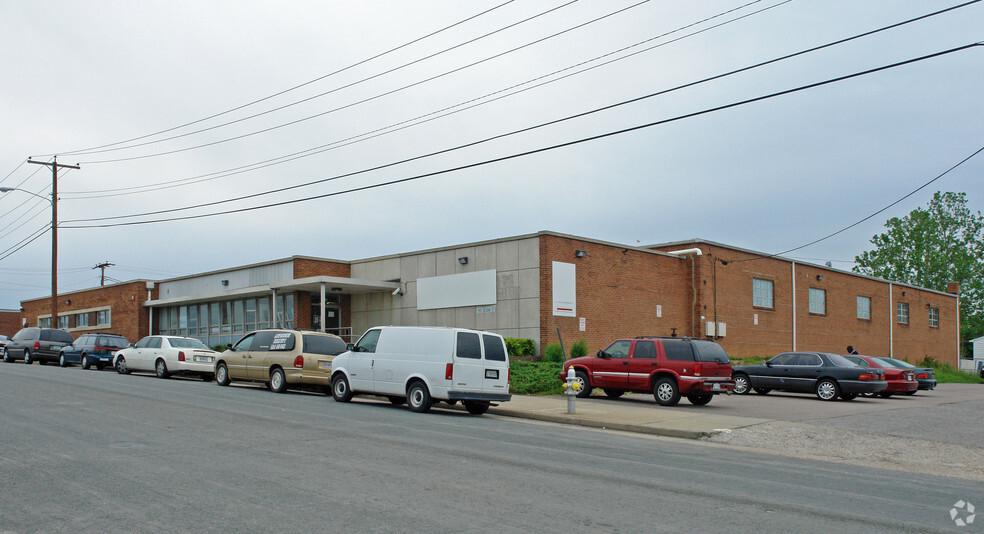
(27, 357)
(278, 382)
(827, 389)
(741, 384)
(61, 360)
(581, 378)
(340, 390)
(418, 397)
(699, 398)
(666, 392)
(614, 393)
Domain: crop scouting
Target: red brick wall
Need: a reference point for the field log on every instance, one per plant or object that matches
(617, 293)
(306, 268)
(128, 317)
(10, 322)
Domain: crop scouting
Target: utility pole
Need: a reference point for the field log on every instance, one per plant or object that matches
(102, 274)
(54, 232)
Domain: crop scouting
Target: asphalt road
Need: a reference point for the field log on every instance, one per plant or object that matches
(87, 451)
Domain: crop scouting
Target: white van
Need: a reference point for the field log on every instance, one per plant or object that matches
(420, 365)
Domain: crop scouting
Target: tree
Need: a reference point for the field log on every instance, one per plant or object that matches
(931, 247)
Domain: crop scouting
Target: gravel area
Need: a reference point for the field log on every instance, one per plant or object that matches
(825, 442)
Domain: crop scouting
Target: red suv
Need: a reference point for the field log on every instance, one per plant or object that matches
(666, 366)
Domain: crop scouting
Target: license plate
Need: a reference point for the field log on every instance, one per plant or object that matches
(492, 373)
(56, 347)
(207, 359)
(325, 365)
(716, 387)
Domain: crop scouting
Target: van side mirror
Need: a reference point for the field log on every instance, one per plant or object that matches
(602, 354)
(229, 347)
(350, 347)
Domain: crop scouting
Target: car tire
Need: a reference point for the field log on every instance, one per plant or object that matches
(614, 393)
(885, 395)
(121, 366)
(85, 362)
(742, 385)
(160, 368)
(827, 389)
(418, 397)
(699, 398)
(207, 377)
(762, 391)
(396, 401)
(849, 396)
(477, 407)
(27, 357)
(42, 362)
(61, 360)
(340, 390)
(100, 366)
(278, 381)
(666, 392)
(581, 378)
(910, 393)
(222, 375)
(6, 356)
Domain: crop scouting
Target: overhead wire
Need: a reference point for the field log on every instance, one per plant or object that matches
(285, 91)
(446, 111)
(526, 153)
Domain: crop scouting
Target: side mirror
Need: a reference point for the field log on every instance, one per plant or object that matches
(602, 354)
(768, 363)
(350, 347)
(229, 347)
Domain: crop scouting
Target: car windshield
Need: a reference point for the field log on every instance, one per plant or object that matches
(709, 351)
(840, 361)
(187, 343)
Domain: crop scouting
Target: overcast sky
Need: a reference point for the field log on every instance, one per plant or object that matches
(97, 83)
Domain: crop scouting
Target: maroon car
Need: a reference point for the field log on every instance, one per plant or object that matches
(900, 381)
(667, 367)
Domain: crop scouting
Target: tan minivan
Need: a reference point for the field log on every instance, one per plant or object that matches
(281, 359)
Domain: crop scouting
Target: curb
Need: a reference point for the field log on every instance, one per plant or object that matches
(607, 425)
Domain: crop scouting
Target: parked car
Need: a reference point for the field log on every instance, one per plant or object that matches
(418, 365)
(166, 356)
(92, 350)
(667, 367)
(925, 376)
(828, 375)
(3, 342)
(36, 344)
(280, 359)
(900, 381)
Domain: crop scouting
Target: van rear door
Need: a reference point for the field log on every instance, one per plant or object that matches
(496, 377)
(469, 367)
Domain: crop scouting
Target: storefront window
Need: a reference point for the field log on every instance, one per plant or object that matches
(263, 313)
(237, 317)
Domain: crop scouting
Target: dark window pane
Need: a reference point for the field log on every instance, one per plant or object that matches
(678, 350)
(323, 345)
(645, 349)
(468, 346)
(494, 349)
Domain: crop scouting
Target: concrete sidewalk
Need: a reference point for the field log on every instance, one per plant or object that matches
(646, 419)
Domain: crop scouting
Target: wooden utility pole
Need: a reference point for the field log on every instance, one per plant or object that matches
(54, 232)
(102, 271)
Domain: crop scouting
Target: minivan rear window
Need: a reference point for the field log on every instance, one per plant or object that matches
(469, 346)
(709, 351)
(60, 336)
(331, 346)
(494, 349)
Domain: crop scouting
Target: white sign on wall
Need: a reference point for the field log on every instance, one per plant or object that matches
(456, 290)
(584, 324)
(564, 289)
(659, 310)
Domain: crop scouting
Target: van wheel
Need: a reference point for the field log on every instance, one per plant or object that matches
(27, 357)
(278, 382)
(666, 392)
(85, 362)
(476, 407)
(61, 360)
(699, 399)
(222, 375)
(8, 359)
(581, 378)
(121, 366)
(397, 401)
(340, 390)
(161, 369)
(418, 397)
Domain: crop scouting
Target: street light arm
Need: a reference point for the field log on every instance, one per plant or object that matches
(9, 189)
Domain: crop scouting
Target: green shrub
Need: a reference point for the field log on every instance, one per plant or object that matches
(946, 374)
(553, 352)
(219, 348)
(517, 346)
(579, 348)
(535, 378)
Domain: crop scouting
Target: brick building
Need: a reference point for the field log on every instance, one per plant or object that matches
(10, 322)
(533, 286)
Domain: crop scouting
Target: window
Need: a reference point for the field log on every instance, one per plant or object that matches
(762, 293)
(244, 344)
(678, 350)
(468, 346)
(154, 343)
(82, 319)
(934, 317)
(237, 317)
(263, 313)
(322, 345)
(645, 349)
(63, 322)
(102, 317)
(494, 349)
(864, 307)
(786, 358)
(44, 322)
(619, 349)
(818, 301)
(902, 315)
(368, 342)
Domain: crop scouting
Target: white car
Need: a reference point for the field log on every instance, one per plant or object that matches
(166, 356)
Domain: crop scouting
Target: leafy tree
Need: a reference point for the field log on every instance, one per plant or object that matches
(931, 247)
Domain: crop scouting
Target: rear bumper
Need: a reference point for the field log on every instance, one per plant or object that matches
(690, 384)
(926, 383)
(862, 386)
(478, 396)
(902, 387)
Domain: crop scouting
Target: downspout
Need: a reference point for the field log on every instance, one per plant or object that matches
(891, 322)
(794, 305)
(322, 321)
(693, 285)
(273, 307)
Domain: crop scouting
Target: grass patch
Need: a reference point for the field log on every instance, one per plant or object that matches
(750, 360)
(946, 374)
(535, 378)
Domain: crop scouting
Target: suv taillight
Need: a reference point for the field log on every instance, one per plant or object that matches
(37, 345)
(299, 361)
(697, 369)
(449, 371)
(181, 356)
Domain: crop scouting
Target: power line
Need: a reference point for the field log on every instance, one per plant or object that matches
(527, 153)
(356, 64)
(434, 115)
(369, 99)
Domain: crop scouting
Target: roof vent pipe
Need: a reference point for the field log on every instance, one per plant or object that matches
(696, 251)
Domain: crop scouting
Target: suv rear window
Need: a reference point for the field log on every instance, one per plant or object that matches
(678, 350)
(645, 349)
(709, 351)
(331, 346)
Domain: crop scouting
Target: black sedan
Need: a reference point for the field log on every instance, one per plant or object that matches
(926, 376)
(828, 375)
